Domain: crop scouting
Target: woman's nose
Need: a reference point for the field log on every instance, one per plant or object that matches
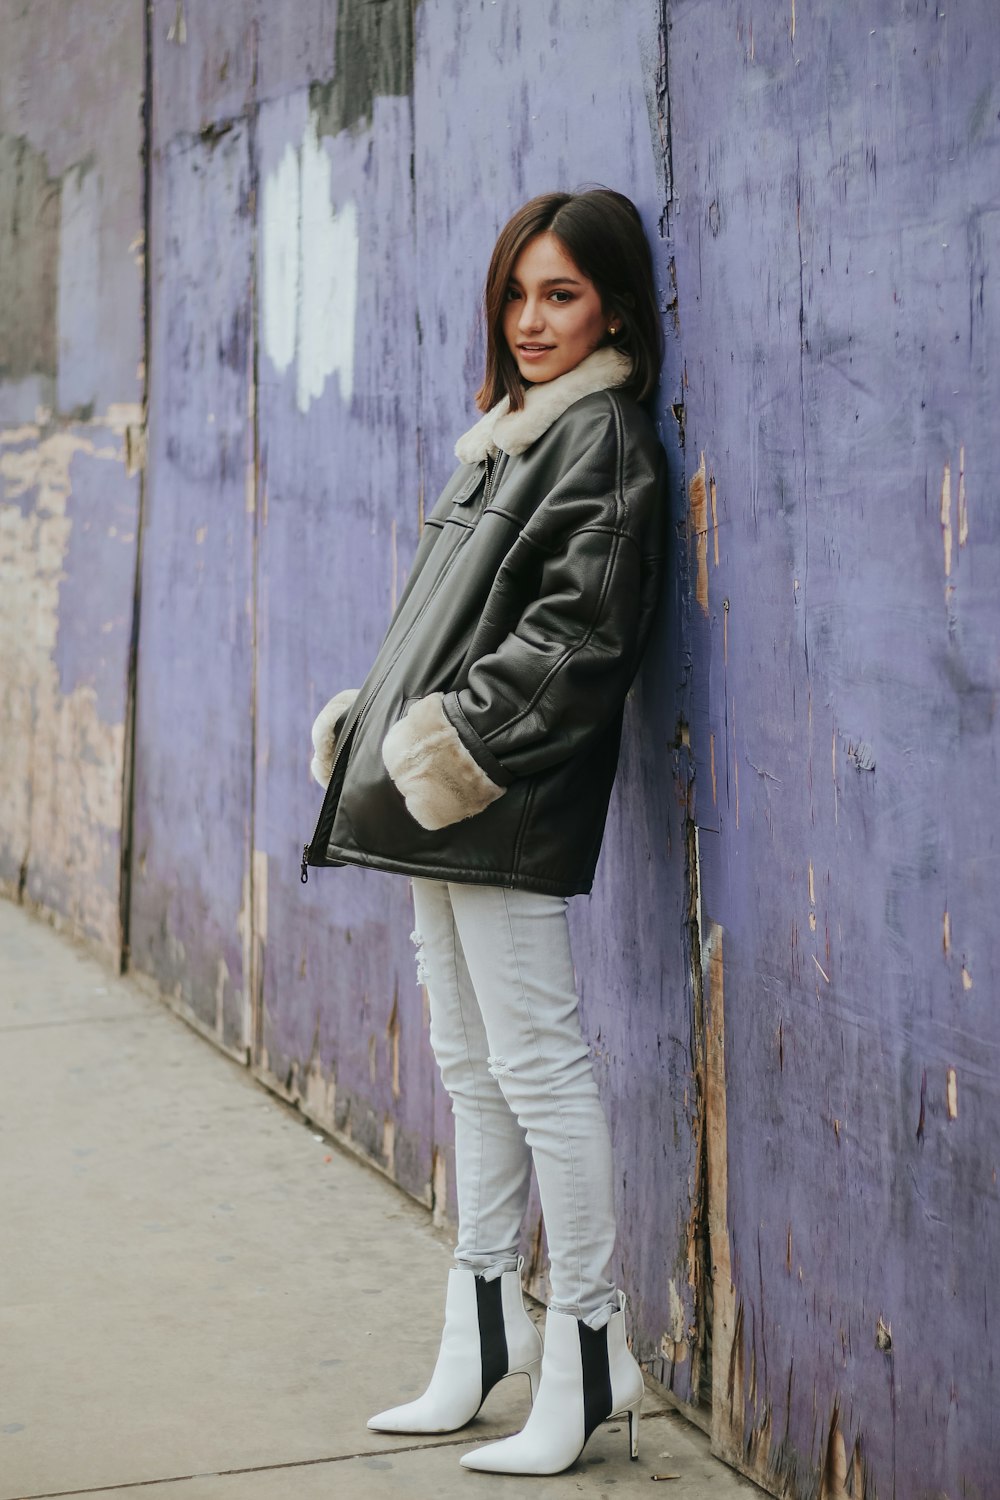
(531, 316)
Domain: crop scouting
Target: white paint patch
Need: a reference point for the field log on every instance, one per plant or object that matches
(310, 272)
(329, 279)
(280, 210)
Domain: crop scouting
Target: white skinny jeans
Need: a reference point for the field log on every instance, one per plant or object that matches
(506, 1034)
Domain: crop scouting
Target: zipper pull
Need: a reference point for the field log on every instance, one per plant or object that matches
(304, 877)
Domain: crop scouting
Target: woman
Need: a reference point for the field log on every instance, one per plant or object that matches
(478, 758)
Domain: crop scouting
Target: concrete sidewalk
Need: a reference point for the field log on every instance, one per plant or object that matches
(200, 1299)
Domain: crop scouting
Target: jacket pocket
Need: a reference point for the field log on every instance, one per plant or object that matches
(405, 706)
(466, 492)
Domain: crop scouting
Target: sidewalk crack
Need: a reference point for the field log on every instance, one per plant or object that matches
(293, 1463)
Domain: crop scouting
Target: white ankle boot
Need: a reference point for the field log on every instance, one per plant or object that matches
(487, 1336)
(587, 1376)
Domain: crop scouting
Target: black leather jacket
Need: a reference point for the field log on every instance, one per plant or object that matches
(506, 665)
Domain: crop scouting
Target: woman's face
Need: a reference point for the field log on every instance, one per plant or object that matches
(553, 316)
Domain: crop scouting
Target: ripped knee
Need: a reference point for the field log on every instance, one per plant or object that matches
(417, 939)
(499, 1068)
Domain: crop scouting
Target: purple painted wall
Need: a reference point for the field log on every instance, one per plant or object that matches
(787, 964)
(71, 385)
(836, 232)
(192, 873)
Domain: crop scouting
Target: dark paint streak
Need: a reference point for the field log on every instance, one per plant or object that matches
(29, 261)
(132, 666)
(373, 58)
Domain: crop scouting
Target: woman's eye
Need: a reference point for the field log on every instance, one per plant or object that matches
(511, 294)
(563, 296)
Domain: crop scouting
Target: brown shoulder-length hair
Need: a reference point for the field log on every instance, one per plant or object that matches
(602, 232)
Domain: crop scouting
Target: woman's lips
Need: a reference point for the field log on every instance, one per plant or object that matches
(534, 351)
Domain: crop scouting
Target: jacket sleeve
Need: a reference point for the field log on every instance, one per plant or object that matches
(552, 685)
(559, 678)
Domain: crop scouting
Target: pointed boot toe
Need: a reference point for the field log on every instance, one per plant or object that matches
(412, 1416)
(487, 1336)
(499, 1458)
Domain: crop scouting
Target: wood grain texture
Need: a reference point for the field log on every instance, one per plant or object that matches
(193, 888)
(835, 221)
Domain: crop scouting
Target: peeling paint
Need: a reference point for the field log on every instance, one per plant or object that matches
(221, 981)
(60, 774)
(319, 1097)
(439, 1189)
(389, 1144)
(834, 1480)
(392, 1035)
(698, 509)
(946, 518)
(963, 507)
(674, 1344)
(715, 520)
(727, 1405)
(736, 766)
(177, 30)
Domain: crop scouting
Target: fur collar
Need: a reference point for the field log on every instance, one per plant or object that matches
(513, 432)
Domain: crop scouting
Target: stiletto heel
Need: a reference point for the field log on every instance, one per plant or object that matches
(633, 1432)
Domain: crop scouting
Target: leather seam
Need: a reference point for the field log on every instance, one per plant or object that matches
(570, 651)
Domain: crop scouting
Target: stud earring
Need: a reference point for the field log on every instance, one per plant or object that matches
(612, 330)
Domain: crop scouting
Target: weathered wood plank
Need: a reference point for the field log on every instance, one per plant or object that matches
(192, 891)
(70, 433)
(836, 207)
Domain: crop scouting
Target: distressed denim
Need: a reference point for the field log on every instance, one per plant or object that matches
(506, 1034)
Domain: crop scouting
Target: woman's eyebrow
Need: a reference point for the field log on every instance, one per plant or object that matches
(551, 281)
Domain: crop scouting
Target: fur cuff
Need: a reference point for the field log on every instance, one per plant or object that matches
(437, 777)
(324, 734)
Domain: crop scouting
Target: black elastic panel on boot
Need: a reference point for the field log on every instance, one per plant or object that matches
(492, 1334)
(596, 1377)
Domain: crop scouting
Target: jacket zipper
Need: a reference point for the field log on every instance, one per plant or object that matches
(306, 848)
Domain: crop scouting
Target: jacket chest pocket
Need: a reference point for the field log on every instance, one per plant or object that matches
(469, 490)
